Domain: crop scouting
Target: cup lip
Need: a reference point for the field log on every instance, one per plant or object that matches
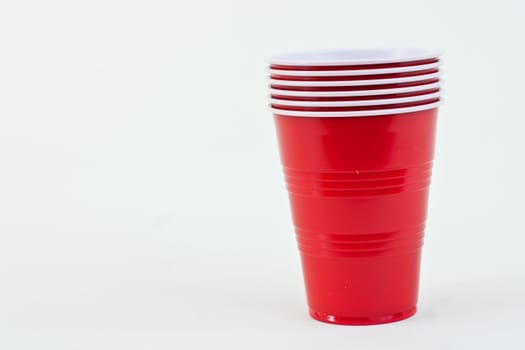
(309, 83)
(372, 113)
(387, 101)
(349, 56)
(355, 72)
(296, 93)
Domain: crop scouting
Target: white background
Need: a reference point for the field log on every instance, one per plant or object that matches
(142, 204)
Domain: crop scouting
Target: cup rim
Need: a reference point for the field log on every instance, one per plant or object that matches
(387, 101)
(371, 113)
(356, 56)
(345, 73)
(297, 93)
(310, 83)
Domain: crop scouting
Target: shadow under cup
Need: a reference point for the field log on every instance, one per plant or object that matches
(358, 189)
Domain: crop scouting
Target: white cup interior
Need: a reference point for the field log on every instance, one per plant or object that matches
(353, 56)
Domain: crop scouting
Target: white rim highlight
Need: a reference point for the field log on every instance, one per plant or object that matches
(355, 103)
(340, 57)
(355, 82)
(344, 73)
(295, 93)
(372, 113)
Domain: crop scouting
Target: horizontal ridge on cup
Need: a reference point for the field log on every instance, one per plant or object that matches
(355, 103)
(366, 113)
(349, 57)
(330, 73)
(350, 185)
(366, 245)
(355, 82)
(349, 93)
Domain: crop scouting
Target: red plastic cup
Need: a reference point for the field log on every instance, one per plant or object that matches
(358, 189)
(359, 80)
(369, 103)
(277, 95)
(355, 108)
(356, 88)
(353, 66)
(305, 94)
(353, 77)
(353, 72)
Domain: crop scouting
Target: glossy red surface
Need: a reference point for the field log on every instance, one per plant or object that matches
(358, 191)
(355, 66)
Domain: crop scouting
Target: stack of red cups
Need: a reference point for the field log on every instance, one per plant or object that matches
(356, 136)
